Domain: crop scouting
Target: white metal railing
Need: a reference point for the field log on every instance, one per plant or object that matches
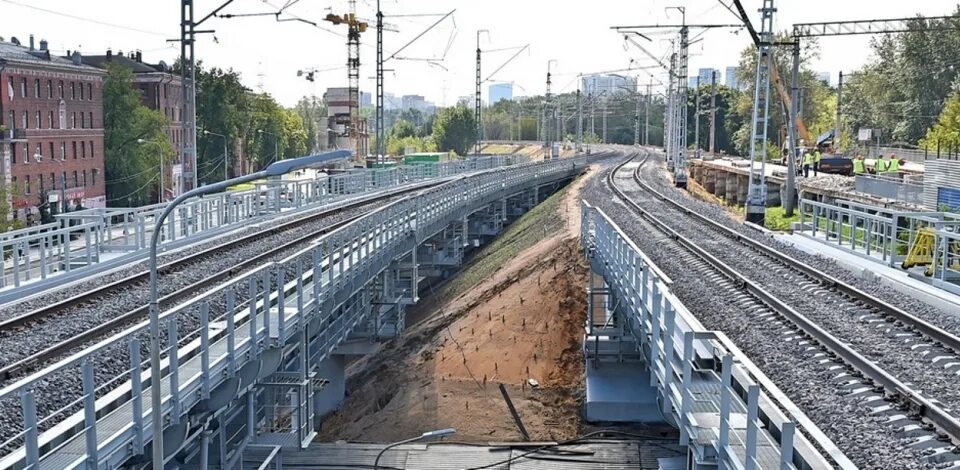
(79, 239)
(238, 321)
(890, 188)
(674, 345)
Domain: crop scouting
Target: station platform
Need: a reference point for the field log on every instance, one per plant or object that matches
(872, 267)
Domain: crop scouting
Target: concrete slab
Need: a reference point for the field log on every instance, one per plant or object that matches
(621, 392)
(868, 268)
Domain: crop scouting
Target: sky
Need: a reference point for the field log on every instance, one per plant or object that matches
(441, 63)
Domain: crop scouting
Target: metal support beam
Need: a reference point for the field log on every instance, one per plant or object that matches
(757, 189)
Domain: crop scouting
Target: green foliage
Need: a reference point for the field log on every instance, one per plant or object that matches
(455, 129)
(403, 129)
(222, 107)
(777, 220)
(132, 169)
(313, 113)
(946, 132)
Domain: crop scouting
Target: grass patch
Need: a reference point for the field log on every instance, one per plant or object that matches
(537, 224)
(777, 220)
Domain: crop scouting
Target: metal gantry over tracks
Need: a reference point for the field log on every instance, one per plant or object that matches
(269, 354)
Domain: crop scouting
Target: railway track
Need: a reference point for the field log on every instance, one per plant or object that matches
(854, 344)
(27, 356)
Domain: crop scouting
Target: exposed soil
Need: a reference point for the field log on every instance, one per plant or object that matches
(523, 320)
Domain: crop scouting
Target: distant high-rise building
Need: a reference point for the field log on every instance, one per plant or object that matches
(824, 77)
(500, 91)
(691, 82)
(417, 102)
(706, 76)
(390, 101)
(366, 99)
(612, 84)
(730, 78)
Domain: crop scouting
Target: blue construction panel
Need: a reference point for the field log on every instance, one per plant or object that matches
(621, 392)
(948, 198)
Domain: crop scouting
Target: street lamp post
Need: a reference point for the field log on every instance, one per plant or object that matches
(275, 169)
(162, 192)
(276, 144)
(226, 158)
(63, 181)
(427, 435)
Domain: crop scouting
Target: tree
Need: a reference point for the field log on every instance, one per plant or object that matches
(313, 113)
(403, 128)
(223, 105)
(132, 170)
(455, 129)
(946, 132)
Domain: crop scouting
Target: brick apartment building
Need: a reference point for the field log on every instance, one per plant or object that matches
(161, 90)
(51, 112)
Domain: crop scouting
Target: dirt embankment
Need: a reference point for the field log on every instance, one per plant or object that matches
(521, 319)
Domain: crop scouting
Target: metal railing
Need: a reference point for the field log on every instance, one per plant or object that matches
(244, 320)
(702, 377)
(890, 188)
(78, 239)
(886, 235)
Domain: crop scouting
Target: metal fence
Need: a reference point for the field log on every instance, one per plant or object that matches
(77, 239)
(242, 321)
(890, 188)
(916, 155)
(677, 348)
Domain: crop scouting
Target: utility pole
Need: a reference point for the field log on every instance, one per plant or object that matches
(188, 145)
(696, 116)
(603, 111)
(646, 117)
(477, 99)
(680, 171)
(381, 132)
(757, 190)
(790, 190)
(636, 114)
(593, 115)
(836, 130)
(713, 113)
(579, 120)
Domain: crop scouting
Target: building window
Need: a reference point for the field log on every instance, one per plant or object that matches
(40, 183)
(84, 178)
(60, 89)
(63, 114)
(23, 87)
(90, 92)
(81, 91)
(92, 155)
(53, 181)
(39, 155)
(73, 121)
(26, 154)
(91, 119)
(36, 86)
(13, 118)
(39, 124)
(74, 149)
(73, 91)
(83, 121)
(50, 120)
(63, 151)
(83, 150)
(63, 179)
(93, 176)
(76, 179)
(26, 185)
(25, 120)
(52, 155)
(50, 89)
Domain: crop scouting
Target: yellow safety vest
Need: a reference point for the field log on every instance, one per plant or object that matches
(817, 156)
(880, 166)
(808, 159)
(893, 166)
(858, 166)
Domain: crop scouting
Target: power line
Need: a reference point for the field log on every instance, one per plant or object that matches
(88, 20)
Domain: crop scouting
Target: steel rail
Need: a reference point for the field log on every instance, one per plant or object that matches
(23, 365)
(924, 407)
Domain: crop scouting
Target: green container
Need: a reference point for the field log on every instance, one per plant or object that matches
(424, 157)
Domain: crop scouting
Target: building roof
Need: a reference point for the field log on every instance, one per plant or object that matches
(101, 61)
(14, 54)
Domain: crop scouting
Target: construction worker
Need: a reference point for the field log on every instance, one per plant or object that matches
(808, 161)
(880, 166)
(859, 167)
(893, 166)
(816, 161)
